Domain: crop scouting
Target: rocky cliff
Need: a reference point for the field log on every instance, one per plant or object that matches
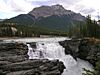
(86, 49)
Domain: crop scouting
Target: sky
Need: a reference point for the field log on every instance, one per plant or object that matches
(12, 8)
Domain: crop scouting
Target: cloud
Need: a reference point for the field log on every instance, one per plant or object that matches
(87, 10)
(36, 0)
(21, 5)
(17, 5)
(24, 6)
(3, 6)
(14, 7)
(84, 9)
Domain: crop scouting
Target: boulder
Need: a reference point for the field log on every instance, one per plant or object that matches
(33, 44)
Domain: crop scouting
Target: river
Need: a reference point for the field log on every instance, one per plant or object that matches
(49, 48)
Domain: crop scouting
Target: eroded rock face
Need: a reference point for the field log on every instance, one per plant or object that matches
(89, 51)
(71, 47)
(14, 61)
(34, 67)
(83, 49)
(13, 52)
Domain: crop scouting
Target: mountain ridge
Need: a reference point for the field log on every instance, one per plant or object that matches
(46, 11)
(54, 18)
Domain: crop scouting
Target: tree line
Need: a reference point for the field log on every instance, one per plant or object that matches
(8, 29)
(90, 28)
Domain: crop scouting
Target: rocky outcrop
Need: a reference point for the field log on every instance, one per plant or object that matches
(13, 52)
(82, 48)
(14, 61)
(33, 44)
(71, 47)
(89, 51)
(34, 67)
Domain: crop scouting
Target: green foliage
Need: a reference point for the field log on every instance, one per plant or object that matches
(26, 30)
(88, 29)
(53, 25)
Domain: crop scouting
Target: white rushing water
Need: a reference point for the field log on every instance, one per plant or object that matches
(51, 39)
(53, 50)
(49, 48)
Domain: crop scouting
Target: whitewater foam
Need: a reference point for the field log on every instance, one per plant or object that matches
(53, 50)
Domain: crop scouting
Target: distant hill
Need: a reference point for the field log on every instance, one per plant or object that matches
(51, 18)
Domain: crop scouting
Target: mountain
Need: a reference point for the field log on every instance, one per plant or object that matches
(58, 10)
(52, 18)
(46, 11)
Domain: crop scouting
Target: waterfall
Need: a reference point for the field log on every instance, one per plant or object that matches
(53, 50)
